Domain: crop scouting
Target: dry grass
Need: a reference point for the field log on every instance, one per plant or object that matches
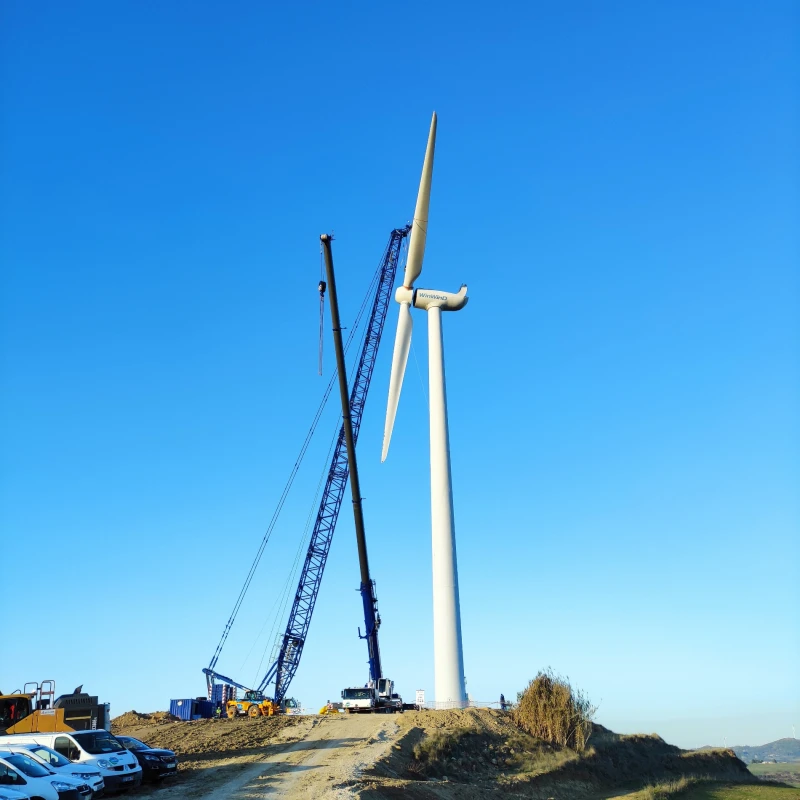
(552, 710)
(663, 791)
(469, 749)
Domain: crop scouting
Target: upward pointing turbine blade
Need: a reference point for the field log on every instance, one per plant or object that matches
(405, 296)
(402, 343)
(419, 230)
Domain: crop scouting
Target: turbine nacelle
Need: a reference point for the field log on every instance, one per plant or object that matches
(432, 298)
(447, 301)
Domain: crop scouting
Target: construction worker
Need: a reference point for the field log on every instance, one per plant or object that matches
(502, 703)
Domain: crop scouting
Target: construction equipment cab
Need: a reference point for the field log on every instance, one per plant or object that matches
(359, 700)
(367, 698)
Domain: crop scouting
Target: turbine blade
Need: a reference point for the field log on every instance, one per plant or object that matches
(419, 230)
(402, 343)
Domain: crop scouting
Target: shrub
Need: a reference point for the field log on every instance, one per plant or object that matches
(550, 709)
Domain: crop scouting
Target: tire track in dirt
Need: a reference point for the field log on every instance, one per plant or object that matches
(325, 764)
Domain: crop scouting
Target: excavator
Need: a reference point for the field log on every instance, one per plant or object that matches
(36, 709)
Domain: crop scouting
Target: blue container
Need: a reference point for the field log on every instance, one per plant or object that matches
(183, 709)
(205, 708)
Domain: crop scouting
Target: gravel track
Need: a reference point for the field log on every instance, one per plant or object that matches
(319, 757)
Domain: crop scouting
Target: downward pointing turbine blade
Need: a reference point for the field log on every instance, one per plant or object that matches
(402, 343)
(419, 230)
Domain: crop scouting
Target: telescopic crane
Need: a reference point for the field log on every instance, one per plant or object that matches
(378, 694)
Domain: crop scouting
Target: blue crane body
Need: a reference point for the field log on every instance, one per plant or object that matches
(284, 668)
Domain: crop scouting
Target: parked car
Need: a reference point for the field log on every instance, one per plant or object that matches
(56, 762)
(97, 749)
(21, 772)
(156, 764)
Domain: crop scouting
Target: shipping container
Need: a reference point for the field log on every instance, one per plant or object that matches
(191, 709)
(183, 709)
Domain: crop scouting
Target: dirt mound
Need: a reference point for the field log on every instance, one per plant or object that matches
(135, 719)
(203, 739)
(480, 752)
(474, 754)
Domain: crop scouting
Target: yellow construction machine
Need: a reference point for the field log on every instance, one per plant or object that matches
(36, 709)
(253, 704)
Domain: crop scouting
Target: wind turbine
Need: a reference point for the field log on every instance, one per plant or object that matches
(447, 651)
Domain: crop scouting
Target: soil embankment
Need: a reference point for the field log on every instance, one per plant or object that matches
(470, 755)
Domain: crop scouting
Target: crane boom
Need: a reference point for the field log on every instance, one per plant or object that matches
(372, 620)
(305, 598)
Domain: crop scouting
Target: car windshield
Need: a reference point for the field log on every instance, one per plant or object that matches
(357, 694)
(27, 765)
(53, 758)
(132, 744)
(96, 742)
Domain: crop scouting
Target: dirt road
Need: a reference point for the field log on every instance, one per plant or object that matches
(320, 757)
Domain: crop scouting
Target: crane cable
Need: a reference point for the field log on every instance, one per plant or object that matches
(302, 548)
(292, 474)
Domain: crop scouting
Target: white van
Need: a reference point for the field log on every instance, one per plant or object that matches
(98, 749)
(56, 762)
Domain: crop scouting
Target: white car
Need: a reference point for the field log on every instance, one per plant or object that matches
(19, 771)
(56, 762)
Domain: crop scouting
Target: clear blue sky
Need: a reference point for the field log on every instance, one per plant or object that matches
(618, 185)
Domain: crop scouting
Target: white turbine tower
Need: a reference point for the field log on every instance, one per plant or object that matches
(448, 655)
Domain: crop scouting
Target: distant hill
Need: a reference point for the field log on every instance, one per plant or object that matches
(781, 750)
